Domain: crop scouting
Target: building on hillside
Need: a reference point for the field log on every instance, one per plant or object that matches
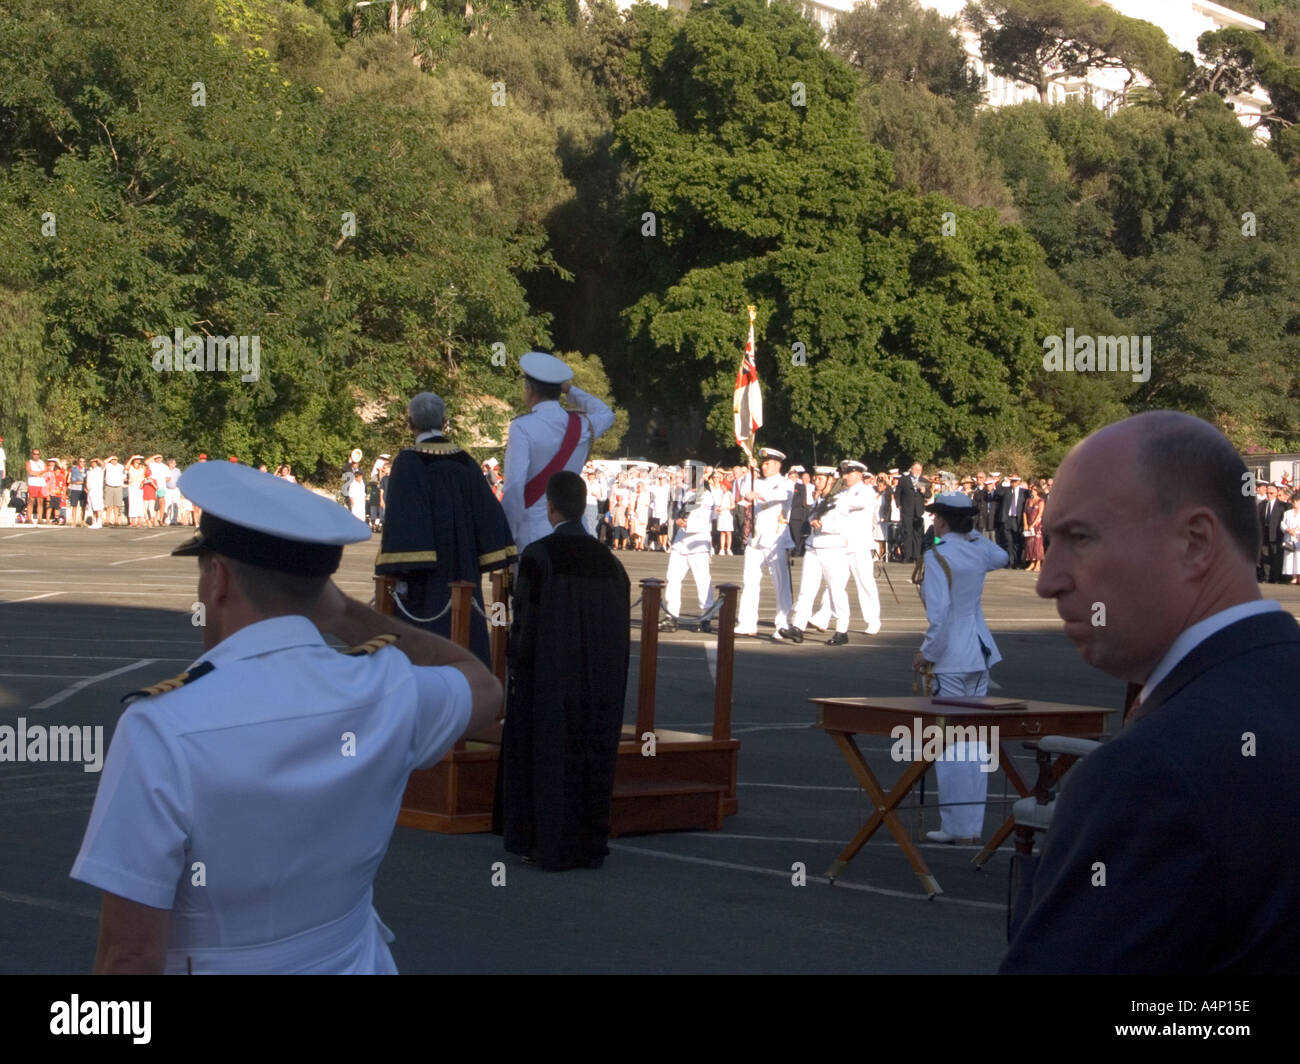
(1183, 21)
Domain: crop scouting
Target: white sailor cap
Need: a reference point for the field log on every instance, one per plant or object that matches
(797, 469)
(265, 520)
(824, 471)
(952, 500)
(547, 369)
(995, 474)
(850, 464)
(895, 473)
(764, 453)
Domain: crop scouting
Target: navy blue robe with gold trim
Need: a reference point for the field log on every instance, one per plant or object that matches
(442, 523)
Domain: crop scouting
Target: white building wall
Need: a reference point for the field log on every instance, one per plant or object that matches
(1183, 21)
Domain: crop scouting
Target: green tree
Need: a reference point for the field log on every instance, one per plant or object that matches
(1042, 41)
(890, 324)
(898, 40)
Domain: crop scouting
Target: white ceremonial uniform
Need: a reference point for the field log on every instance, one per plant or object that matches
(768, 547)
(961, 647)
(533, 441)
(861, 507)
(825, 559)
(690, 549)
(257, 801)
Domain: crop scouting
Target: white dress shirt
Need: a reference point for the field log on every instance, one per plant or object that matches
(533, 441)
(772, 514)
(234, 802)
(1190, 638)
(958, 634)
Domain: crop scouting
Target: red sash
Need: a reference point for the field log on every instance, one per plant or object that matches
(536, 487)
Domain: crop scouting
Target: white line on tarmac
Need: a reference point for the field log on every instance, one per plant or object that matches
(26, 675)
(81, 657)
(71, 690)
(147, 558)
(32, 598)
(784, 873)
(17, 534)
(48, 903)
(154, 536)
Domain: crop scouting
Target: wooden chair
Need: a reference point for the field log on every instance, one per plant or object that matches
(1034, 814)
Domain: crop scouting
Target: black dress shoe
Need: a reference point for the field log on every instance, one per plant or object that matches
(795, 635)
(704, 627)
(667, 625)
(837, 640)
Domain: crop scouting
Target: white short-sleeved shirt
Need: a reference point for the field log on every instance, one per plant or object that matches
(257, 801)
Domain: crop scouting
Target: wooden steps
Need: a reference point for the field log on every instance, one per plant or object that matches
(688, 785)
(684, 782)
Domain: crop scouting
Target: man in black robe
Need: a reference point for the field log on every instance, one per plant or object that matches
(569, 647)
(441, 523)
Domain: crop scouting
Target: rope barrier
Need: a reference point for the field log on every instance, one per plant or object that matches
(421, 620)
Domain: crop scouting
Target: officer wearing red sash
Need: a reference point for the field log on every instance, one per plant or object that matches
(545, 441)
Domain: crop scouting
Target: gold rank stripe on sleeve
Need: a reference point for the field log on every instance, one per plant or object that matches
(400, 556)
(163, 686)
(497, 555)
(371, 645)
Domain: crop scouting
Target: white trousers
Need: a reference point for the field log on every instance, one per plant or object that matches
(963, 788)
(862, 570)
(699, 566)
(756, 560)
(829, 564)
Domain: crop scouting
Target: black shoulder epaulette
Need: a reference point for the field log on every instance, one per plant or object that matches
(371, 645)
(163, 686)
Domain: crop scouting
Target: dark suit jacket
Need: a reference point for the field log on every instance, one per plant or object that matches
(1193, 811)
(1272, 526)
(911, 501)
(984, 501)
(1002, 512)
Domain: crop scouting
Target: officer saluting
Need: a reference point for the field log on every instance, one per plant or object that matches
(545, 441)
(959, 647)
(246, 804)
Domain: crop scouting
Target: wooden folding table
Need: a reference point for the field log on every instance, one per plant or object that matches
(843, 718)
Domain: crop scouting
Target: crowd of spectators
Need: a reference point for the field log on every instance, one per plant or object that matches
(631, 510)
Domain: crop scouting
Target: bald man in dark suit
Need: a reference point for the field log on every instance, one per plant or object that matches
(1174, 846)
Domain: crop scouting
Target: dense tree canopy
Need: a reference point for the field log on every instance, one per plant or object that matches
(392, 211)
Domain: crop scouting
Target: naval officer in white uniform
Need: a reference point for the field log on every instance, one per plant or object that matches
(858, 502)
(245, 805)
(692, 539)
(769, 544)
(959, 648)
(545, 441)
(824, 560)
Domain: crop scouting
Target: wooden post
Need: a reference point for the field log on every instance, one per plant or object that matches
(462, 604)
(651, 589)
(384, 594)
(726, 659)
(499, 634)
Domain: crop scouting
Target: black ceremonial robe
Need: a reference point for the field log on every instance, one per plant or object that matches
(569, 646)
(442, 523)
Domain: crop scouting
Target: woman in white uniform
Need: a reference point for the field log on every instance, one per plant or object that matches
(1291, 539)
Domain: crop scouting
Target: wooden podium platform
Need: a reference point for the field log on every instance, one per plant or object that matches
(664, 780)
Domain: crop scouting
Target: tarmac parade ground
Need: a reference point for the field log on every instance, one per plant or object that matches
(86, 616)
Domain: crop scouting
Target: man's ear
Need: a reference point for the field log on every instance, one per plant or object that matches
(220, 579)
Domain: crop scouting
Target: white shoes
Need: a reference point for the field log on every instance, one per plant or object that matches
(951, 840)
(873, 628)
